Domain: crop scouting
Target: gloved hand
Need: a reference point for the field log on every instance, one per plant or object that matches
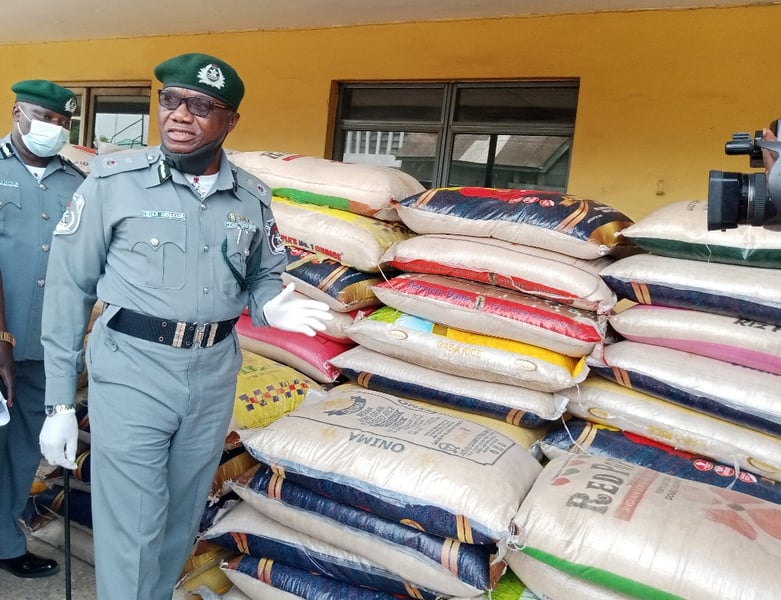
(285, 311)
(59, 438)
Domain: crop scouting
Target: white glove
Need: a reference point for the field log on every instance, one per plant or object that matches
(59, 438)
(285, 311)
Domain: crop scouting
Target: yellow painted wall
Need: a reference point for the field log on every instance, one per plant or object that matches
(660, 91)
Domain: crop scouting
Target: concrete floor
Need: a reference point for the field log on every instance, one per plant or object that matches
(49, 588)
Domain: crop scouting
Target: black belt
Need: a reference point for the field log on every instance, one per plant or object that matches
(178, 334)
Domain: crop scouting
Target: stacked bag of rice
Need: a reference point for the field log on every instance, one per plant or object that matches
(363, 494)
(336, 221)
(697, 363)
(498, 301)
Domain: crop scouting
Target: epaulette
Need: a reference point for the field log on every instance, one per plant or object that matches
(106, 165)
(69, 163)
(248, 182)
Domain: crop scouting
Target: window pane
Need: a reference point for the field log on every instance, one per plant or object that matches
(122, 120)
(537, 105)
(392, 104)
(413, 153)
(510, 161)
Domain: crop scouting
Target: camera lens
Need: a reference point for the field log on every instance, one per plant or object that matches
(736, 199)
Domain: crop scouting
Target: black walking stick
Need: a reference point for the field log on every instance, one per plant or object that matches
(66, 484)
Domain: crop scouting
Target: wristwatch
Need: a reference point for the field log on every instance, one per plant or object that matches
(59, 409)
(7, 337)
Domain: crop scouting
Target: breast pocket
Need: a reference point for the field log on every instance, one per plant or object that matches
(156, 253)
(236, 252)
(10, 205)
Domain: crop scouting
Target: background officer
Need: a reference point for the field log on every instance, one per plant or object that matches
(176, 242)
(35, 187)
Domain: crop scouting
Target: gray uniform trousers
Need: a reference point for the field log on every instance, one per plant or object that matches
(20, 454)
(157, 434)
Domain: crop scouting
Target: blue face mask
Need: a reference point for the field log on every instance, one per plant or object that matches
(44, 139)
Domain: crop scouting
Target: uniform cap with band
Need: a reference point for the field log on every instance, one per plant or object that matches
(202, 73)
(46, 94)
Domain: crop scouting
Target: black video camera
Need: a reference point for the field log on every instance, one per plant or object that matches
(747, 198)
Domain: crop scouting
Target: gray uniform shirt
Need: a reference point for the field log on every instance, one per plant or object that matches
(29, 211)
(138, 236)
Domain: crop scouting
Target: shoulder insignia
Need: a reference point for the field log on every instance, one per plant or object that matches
(106, 165)
(6, 150)
(67, 162)
(248, 182)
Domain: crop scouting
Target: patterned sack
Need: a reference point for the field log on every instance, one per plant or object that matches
(731, 392)
(509, 403)
(266, 390)
(359, 188)
(450, 350)
(733, 290)
(403, 461)
(341, 287)
(490, 310)
(425, 561)
(298, 582)
(248, 531)
(542, 273)
(579, 435)
(680, 230)
(353, 240)
(544, 219)
(608, 403)
(649, 535)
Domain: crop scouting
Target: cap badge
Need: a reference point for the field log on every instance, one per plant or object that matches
(70, 105)
(211, 75)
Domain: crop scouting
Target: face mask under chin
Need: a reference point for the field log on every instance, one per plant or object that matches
(195, 162)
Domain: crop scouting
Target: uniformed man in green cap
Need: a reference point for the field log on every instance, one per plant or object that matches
(176, 242)
(35, 187)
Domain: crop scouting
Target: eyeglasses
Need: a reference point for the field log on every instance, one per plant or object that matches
(197, 105)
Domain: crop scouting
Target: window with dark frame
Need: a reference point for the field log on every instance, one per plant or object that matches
(508, 134)
(115, 113)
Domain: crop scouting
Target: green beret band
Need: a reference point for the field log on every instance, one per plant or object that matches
(46, 94)
(202, 73)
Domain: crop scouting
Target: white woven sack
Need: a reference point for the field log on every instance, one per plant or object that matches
(543, 273)
(511, 397)
(728, 391)
(468, 356)
(649, 534)
(603, 401)
(411, 455)
(354, 240)
(367, 189)
(731, 339)
(549, 583)
(680, 229)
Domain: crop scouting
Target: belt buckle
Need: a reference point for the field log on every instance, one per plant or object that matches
(205, 334)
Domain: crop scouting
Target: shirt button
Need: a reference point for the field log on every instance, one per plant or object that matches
(42, 186)
(206, 248)
(45, 247)
(154, 242)
(41, 282)
(205, 290)
(45, 216)
(203, 206)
